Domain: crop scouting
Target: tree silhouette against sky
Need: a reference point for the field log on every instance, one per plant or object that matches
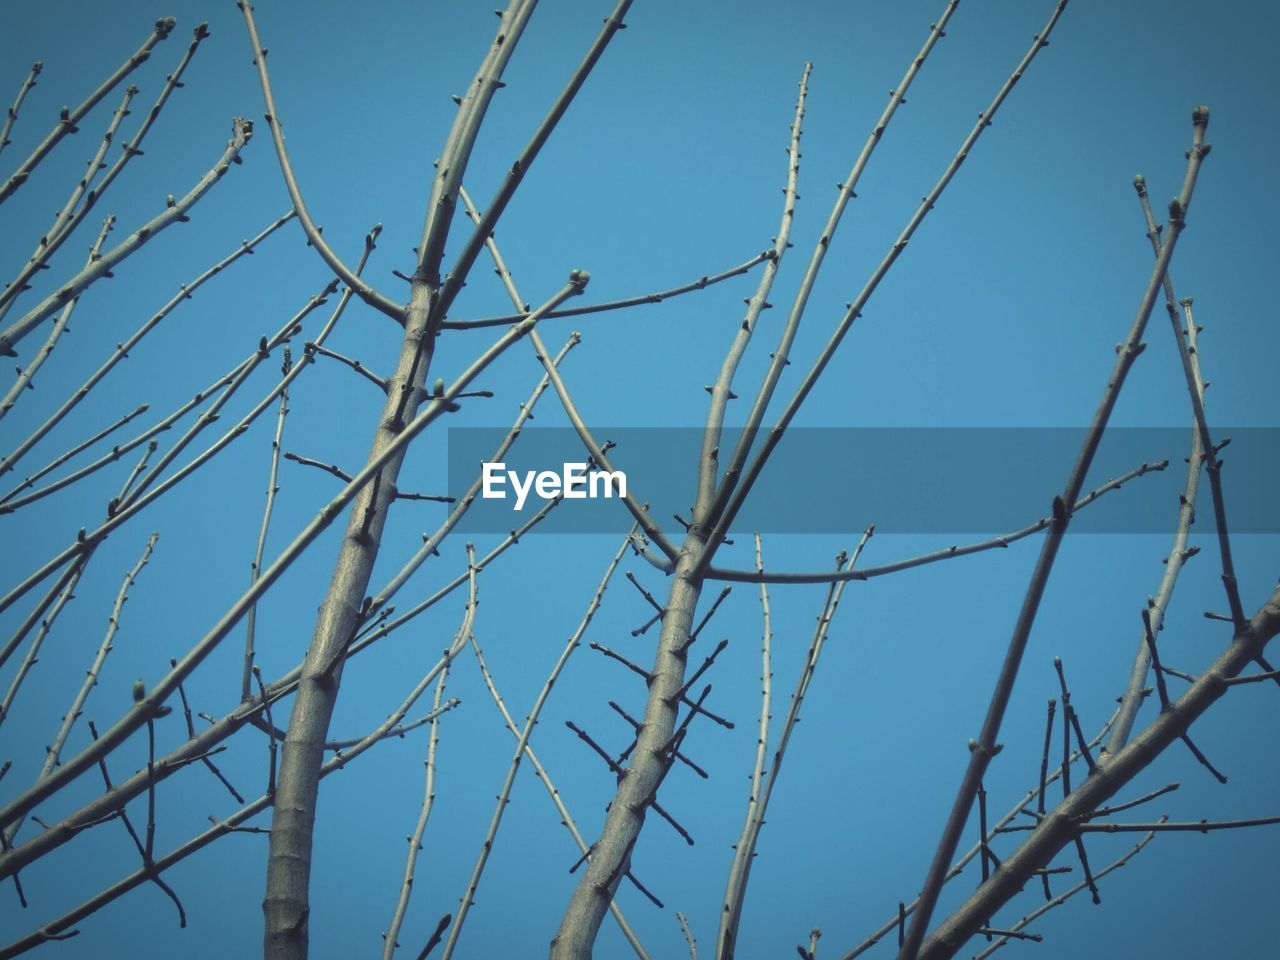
(234, 416)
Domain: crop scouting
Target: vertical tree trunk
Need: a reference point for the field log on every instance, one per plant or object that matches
(286, 905)
(611, 856)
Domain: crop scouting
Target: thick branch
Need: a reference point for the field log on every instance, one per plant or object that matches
(453, 162)
(1062, 825)
(293, 818)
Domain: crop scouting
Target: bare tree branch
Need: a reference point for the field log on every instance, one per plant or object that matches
(54, 751)
(1190, 357)
(60, 326)
(780, 357)
(522, 741)
(946, 553)
(231, 824)
(351, 278)
(70, 118)
(744, 854)
(273, 488)
(727, 508)
(700, 284)
(12, 114)
(986, 745)
(50, 243)
(453, 162)
(175, 212)
(66, 593)
(721, 390)
(60, 226)
(1057, 901)
(391, 937)
(1064, 823)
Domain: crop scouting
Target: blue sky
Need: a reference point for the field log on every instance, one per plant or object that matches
(1002, 312)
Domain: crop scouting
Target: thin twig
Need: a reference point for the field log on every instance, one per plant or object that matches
(121, 350)
(23, 90)
(565, 818)
(65, 595)
(594, 447)
(1062, 898)
(33, 617)
(391, 937)
(175, 212)
(39, 258)
(53, 752)
(1189, 354)
(77, 450)
(947, 553)
(700, 284)
(60, 326)
(67, 122)
(721, 391)
(132, 148)
(355, 365)
(191, 734)
(273, 488)
(688, 935)
(522, 741)
(376, 630)
(144, 851)
(757, 807)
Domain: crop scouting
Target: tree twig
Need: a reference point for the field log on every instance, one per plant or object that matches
(391, 937)
(60, 326)
(700, 284)
(175, 212)
(12, 115)
(132, 148)
(744, 853)
(522, 741)
(67, 122)
(986, 745)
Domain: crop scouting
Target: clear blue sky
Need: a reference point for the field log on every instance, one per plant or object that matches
(1002, 312)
